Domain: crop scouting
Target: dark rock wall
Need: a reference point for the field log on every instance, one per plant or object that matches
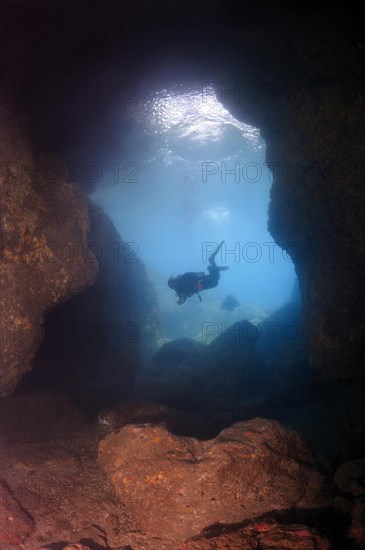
(316, 212)
(95, 341)
(307, 97)
(38, 224)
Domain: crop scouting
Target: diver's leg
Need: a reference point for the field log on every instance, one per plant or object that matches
(214, 270)
(211, 280)
(213, 255)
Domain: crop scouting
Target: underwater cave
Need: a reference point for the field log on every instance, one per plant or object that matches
(182, 276)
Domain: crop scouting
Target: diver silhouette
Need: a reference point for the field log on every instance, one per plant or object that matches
(192, 283)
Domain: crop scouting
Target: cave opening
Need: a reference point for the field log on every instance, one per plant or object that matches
(200, 178)
(180, 175)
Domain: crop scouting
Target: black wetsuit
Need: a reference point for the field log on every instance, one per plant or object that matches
(192, 283)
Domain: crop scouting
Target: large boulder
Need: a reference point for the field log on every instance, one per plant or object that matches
(174, 487)
(45, 257)
(186, 374)
(175, 352)
(95, 341)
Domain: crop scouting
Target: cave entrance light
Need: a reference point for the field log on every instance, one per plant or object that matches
(201, 179)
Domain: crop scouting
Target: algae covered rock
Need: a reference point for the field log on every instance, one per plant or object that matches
(45, 257)
(94, 341)
(177, 486)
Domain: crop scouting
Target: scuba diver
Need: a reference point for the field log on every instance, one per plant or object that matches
(192, 283)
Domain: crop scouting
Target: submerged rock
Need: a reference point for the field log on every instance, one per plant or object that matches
(175, 352)
(230, 303)
(45, 257)
(94, 342)
(312, 217)
(174, 487)
(185, 373)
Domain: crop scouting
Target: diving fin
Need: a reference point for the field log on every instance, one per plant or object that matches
(213, 254)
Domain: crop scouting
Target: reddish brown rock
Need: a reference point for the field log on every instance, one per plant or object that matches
(263, 535)
(177, 486)
(15, 523)
(95, 340)
(45, 257)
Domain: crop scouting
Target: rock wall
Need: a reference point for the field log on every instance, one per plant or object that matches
(300, 81)
(39, 223)
(316, 213)
(66, 275)
(95, 341)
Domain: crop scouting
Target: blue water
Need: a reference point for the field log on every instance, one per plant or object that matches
(201, 179)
